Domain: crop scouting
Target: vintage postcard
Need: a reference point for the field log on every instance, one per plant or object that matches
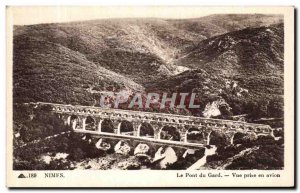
(150, 96)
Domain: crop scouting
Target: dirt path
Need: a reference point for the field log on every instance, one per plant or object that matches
(49, 137)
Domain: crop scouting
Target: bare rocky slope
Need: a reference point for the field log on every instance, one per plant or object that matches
(250, 60)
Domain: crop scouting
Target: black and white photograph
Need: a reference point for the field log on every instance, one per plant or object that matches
(195, 93)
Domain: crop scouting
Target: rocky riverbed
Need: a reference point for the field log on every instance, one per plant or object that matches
(73, 151)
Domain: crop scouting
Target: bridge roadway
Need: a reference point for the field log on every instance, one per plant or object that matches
(143, 139)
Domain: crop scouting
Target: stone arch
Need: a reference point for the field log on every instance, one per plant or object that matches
(216, 138)
(146, 130)
(107, 126)
(267, 130)
(240, 127)
(126, 128)
(194, 135)
(257, 129)
(224, 126)
(74, 122)
(141, 149)
(169, 133)
(90, 124)
(233, 127)
(249, 128)
(122, 147)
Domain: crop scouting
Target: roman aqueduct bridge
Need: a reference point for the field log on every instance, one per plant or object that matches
(153, 126)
